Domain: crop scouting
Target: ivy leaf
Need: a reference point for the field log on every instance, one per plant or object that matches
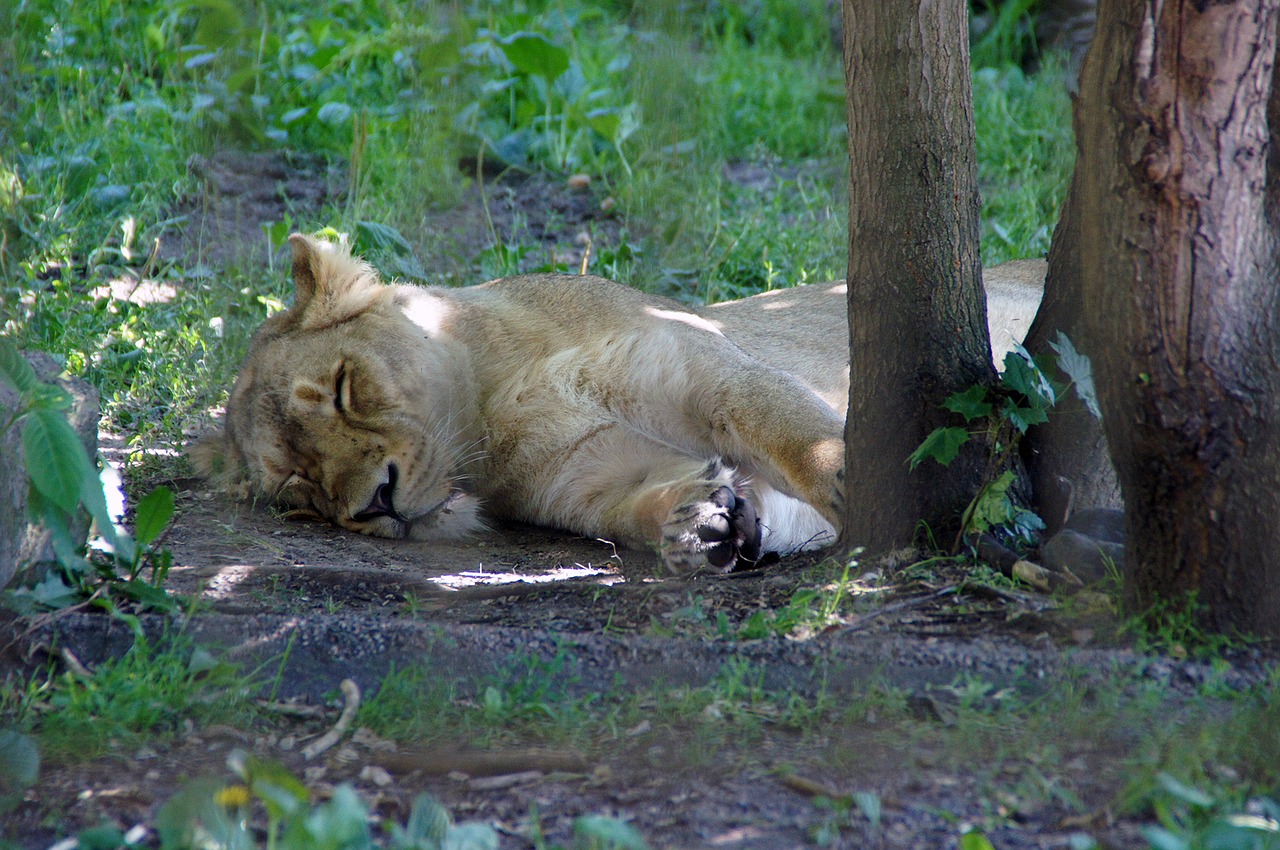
(1080, 370)
(971, 404)
(942, 445)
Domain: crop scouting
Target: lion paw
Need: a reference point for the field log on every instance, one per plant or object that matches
(716, 532)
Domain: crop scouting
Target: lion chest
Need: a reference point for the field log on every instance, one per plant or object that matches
(538, 412)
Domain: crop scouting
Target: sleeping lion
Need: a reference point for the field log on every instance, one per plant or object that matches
(714, 435)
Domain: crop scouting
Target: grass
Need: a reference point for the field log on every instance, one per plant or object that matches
(719, 133)
(148, 695)
(92, 175)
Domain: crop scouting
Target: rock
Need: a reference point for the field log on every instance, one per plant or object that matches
(1106, 524)
(20, 542)
(1088, 546)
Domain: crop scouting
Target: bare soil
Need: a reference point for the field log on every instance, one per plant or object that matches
(338, 606)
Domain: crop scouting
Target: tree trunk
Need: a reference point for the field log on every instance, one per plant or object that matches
(1179, 262)
(917, 315)
(1066, 457)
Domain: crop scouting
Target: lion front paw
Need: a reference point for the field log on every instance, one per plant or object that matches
(716, 532)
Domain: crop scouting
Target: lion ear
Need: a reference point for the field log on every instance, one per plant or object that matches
(305, 269)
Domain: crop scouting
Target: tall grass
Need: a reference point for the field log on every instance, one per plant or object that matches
(720, 132)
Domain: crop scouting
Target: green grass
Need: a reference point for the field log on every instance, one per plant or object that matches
(656, 101)
(102, 104)
(145, 696)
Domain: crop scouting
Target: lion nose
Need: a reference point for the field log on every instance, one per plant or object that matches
(383, 501)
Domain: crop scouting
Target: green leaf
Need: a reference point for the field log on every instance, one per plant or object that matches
(428, 822)
(1021, 374)
(993, 507)
(19, 766)
(153, 514)
(942, 445)
(598, 832)
(334, 114)
(152, 598)
(470, 836)
(1080, 369)
(55, 460)
(15, 372)
(52, 592)
(534, 54)
(1183, 792)
(1162, 839)
(1023, 418)
(281, 792)
(105, 837)
(193, 818)
(971, 404)
(869, 804)
(340, 822)
(975, 841)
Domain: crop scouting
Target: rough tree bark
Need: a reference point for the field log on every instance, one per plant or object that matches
(1179, 257)
(916, 310)
(1066, 457)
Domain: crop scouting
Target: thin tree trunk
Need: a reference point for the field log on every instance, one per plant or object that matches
(916, 311)
(1180, 272)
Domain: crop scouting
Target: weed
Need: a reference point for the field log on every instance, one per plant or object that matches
(221, 816)
(1172, 626)
(1022, 398)
(62, 481)
(146, 694)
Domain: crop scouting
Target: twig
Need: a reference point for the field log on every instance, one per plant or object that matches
(351, 692)
(74, 664)
(901, 606)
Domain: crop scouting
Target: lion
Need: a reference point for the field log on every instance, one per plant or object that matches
(712, 435)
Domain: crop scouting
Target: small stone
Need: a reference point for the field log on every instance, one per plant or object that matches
(1087, 558)
(579, 182)
(376, 774)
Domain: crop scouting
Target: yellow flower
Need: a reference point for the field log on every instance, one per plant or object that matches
(232, 797)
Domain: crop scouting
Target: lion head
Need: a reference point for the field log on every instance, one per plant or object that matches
(356, 405)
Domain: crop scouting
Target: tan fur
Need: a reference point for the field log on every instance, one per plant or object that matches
(572, 402)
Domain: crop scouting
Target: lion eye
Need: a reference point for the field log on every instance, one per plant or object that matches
(340, 386)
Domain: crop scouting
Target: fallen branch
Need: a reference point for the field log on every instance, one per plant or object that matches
(351, 692)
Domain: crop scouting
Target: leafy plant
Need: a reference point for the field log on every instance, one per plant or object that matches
(19, 766)
(1022, 397)
(147, 693)
(540, 101)
(1189, 818)
(215, 815)
(63, 480)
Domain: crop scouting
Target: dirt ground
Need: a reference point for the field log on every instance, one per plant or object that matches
(348, 607)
